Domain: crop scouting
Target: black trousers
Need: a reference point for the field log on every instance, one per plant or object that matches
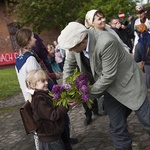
(94, 109)
(66, 134)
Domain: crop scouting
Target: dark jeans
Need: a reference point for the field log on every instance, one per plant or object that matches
(117, 113)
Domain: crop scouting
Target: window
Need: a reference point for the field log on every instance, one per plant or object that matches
(13, 28)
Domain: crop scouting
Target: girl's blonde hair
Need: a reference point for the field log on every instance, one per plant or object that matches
(23, 36)
(34, 76)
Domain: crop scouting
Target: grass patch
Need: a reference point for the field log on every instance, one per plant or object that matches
(9, 85)
(4, 110)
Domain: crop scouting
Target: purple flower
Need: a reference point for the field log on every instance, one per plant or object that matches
(57, 89)
(56, 96)
(84, 89)
(68, 87)
(85, 97)
(82, 77)
(81, 80)
(74, 89)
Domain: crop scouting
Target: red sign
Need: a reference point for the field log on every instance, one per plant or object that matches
(8, 58)
(121, 15)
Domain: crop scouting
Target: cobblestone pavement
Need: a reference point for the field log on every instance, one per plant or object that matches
(93, 137)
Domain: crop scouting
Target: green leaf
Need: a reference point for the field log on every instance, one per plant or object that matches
(89, 103)
(51, 94)
(72, 92)
(68, 79)
(59, 102)
(63, 95)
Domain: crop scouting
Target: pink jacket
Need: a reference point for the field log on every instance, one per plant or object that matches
(58, 57)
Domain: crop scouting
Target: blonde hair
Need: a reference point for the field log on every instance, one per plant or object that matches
(34, 76)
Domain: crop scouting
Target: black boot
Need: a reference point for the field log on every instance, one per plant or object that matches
(87, 121)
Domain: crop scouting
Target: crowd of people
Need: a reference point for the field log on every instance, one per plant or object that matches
(108, 55)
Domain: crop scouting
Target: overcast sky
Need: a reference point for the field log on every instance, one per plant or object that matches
(144, 1)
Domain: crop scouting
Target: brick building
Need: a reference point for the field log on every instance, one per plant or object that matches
(8, 28)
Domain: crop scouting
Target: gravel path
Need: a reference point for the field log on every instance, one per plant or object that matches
(93, 137)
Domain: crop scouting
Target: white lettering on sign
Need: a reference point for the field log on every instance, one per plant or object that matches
(8, 58)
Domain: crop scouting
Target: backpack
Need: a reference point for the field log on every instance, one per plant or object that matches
(27, 118)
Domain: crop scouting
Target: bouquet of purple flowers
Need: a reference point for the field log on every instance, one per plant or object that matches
(76, 88)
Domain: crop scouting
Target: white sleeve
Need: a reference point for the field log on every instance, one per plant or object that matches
(32, 64)
(136, 36)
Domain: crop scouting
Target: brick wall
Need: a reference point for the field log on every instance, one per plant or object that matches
(5, 42)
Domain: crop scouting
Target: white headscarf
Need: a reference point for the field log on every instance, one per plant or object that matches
(71, 35)
(89, 18)
(139, 7)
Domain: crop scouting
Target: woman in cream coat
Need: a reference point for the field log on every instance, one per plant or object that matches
(95, 19)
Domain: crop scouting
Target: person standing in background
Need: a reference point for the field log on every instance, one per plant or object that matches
(62, 51)
(140, 13)
(95, 19)
(142, 51)
(51, 57)
(42, 53)
(116, 25)
(131, 20)
(59, 56)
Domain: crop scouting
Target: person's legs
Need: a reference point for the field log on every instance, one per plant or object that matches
(88, 114)
(130, 129)
(95, 107)
(53, 145)
(143, 114)
(66, 134)
(118, 124)
(147, 73)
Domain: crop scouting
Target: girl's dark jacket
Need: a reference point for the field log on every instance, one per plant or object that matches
(50, 119)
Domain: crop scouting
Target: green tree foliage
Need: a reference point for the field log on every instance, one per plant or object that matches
(109, 7)
(50, 14)
(47, 14)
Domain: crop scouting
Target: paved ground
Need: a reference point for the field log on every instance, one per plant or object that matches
(93, 137)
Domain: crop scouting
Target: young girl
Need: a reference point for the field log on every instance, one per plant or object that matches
(25, 61)
(50, 119)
